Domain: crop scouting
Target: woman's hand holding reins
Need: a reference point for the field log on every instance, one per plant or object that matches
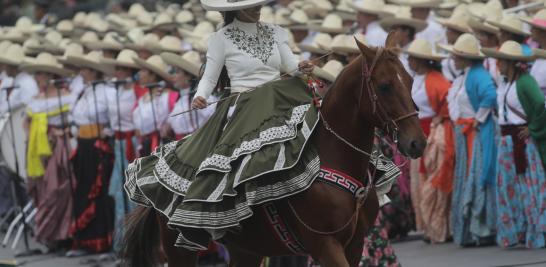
(306, 67)
(199, 102)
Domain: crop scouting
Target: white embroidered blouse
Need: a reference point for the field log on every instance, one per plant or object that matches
(253, 54)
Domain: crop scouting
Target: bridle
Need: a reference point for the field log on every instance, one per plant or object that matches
(388, 123)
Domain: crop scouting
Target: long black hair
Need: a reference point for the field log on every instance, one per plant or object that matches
(223, 80)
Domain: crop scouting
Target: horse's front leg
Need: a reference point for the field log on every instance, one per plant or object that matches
(176, 256)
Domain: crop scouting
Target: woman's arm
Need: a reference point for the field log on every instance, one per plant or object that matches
(289, 61)
(213, 68)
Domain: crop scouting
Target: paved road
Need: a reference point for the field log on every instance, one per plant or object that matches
(411, 254)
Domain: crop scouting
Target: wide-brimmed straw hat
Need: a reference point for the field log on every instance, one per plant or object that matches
(156, 65)
(168, 44)
(87, 37)
(45, 62)
(94, 22)
(538, 20)
(65, 27)
(403, 18)
(539, 53)
(477, 24)
(125, 59)
(72, 49)
(510, 23)
(317, 44)
(14, 55)
(162, 21)
(331, 24)
(50, 43)
(374, 7)
(93, 60)
(190, 61)
(421, 48)
(317, 8)
(231, 5)
(111, 41)
(329, 71)
(13, 35)
(418, 3)
(456, 22)
(203, 28)
(346, 44)
(184, 17)
(26, 26)
(147, 42)
(509, 50)
(299, 20)
(466, 46)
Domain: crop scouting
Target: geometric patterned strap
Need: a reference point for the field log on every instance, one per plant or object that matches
(283, 233)
(339, 179)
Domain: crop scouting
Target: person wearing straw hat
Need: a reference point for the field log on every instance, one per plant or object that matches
(245, 59)
(187, 69)
(522, 147)
(538, 34)
(47, 152)
(421, 9)
(431, 190)
(121, 102)
(345, 47)
(332, 24)
(368, 15)
(455, 26)
(406, 28)
(488, 36)
(317, 47)
(327, 75)
(144, 46)
(471, 101)
(24, 85)
(163, 25)
(153, 108)
(110, 45)
(511, 28)
(76, 85)
(92, 160)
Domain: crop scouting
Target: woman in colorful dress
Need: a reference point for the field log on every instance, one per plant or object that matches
(152, 110)
(521, 200)
(121, 102)
(243, 55)
(187, 69)
(472, 100)
(429, 93)
(92, 161)
(48, 151)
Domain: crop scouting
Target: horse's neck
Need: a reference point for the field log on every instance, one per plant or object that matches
(340, 110)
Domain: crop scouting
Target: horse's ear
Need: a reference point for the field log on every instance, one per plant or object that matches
(364, 49)
(392, 39)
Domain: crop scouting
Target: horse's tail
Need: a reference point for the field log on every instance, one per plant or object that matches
(140, 247)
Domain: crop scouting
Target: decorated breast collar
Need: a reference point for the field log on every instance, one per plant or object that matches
(344, 182)
(259, 45)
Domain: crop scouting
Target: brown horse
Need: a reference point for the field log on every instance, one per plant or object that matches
(372, 91)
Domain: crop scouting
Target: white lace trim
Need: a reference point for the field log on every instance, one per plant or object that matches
(222, 163)
(168, 176)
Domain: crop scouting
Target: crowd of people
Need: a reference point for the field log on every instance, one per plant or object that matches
(122, 83)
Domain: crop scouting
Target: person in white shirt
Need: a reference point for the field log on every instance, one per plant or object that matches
(92, 160)
(187, 70)
(48, 151)
(368, 15)
(421, 9)
(24, 86)
(153, 108)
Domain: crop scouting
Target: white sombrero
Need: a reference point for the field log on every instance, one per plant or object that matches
(14, 55)
(509, 50)
(538, 20)
(331, 24)
(156, 65)
(190, 61)
(147, 42)
(418, 3)
(422, 49)
(168, 44)
(231, 5)
(93, 60)
(46, 62)
(403, 17)
(329, 71)
(125, 59)
(456, 22)
(319, 41)
(345, 44)
(111, 41)
(374, 7)
(466, 46)
(72, 49)
(510, 23)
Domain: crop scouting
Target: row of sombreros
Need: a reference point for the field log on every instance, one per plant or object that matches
(75, 57)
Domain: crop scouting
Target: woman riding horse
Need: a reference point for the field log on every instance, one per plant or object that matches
(211, 185)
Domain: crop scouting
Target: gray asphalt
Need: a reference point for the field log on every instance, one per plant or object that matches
(411, 254)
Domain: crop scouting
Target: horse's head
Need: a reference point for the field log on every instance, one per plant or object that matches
(385, 96)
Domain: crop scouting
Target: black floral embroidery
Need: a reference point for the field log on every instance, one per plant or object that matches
(258, 45)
